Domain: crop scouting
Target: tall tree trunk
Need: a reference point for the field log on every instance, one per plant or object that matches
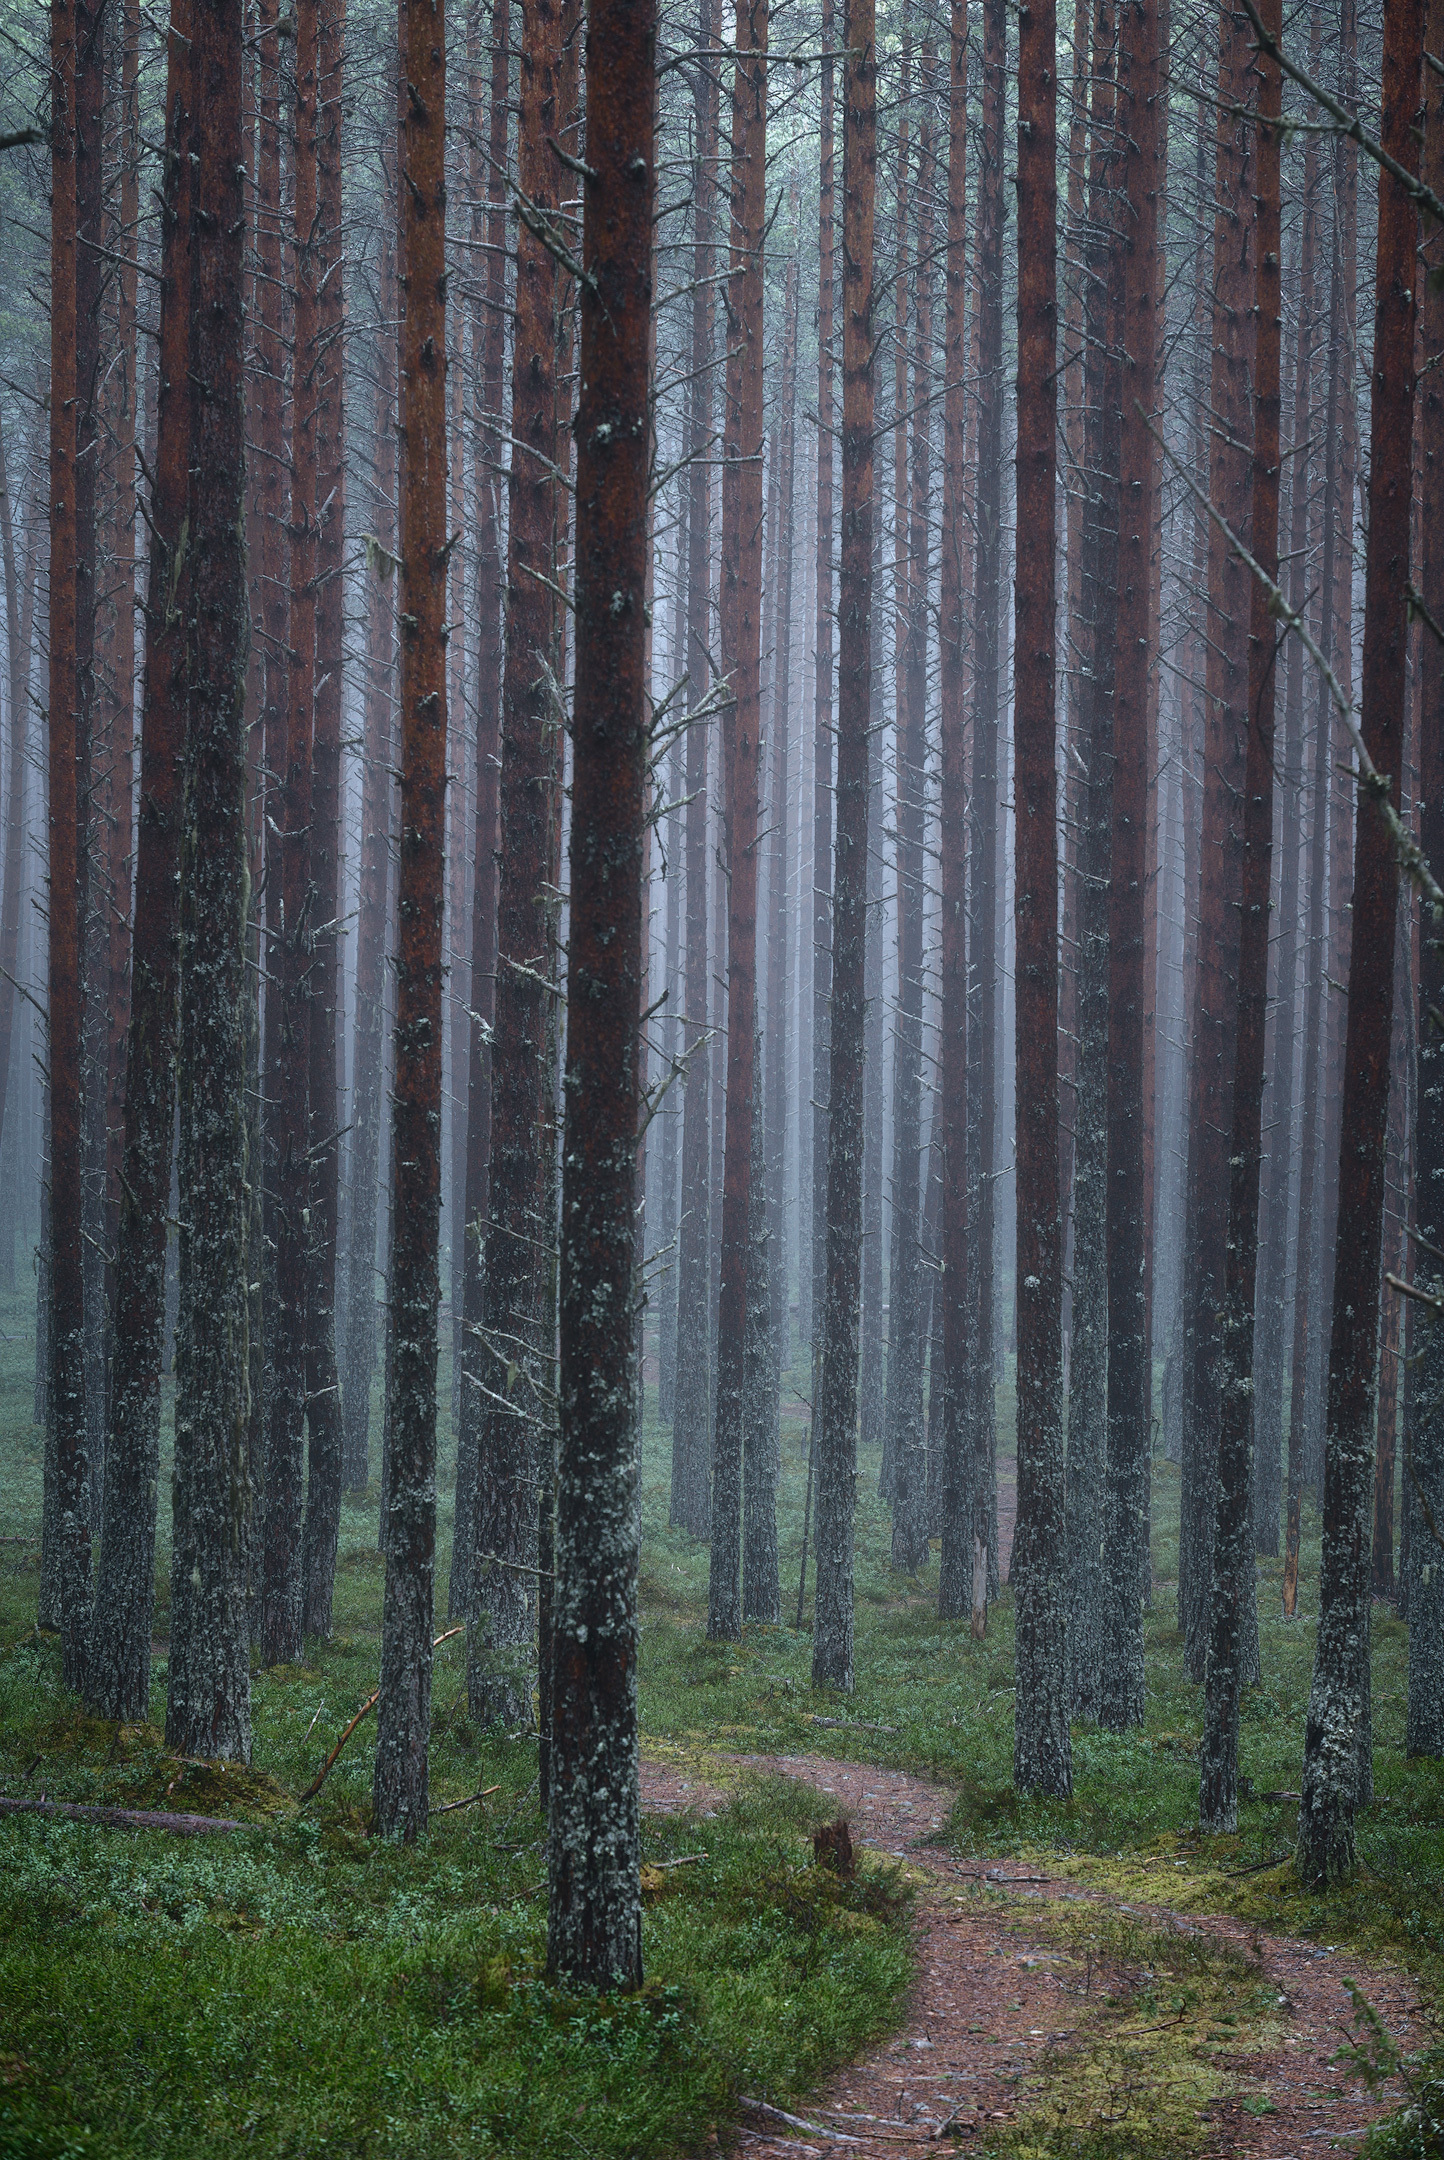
(1041, 1752)
(209, 1709)
(905, 1295)
(404, 1705)
(594, 1918)
(374, 879)
(1232, 1611)
(963, 1572)
(821, 973)
(488, 338)
(1225, 739)
(115, 670)
(1422, 1576)
(1316, 969)
(118, 1680)
(90, 39)
(983, 893)
(17, 612)
(780, 817)
(741, 571)
(513, 1346)
(836, 1445)
(1269, 1349)
(692, 1416)
(69, 1598)
(1336, 1732)
(1130, 987)
(1096, 641)
(323, 1406)
(282, 1609)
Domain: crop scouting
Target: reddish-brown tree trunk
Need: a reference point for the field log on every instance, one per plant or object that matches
(1336, 1773)
(404, 1706)
(741, 570)
(1042, 1760)
(208, 1704)
(594, 1918)
(1129, 1386)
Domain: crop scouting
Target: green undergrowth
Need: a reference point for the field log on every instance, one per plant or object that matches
(302, 1987)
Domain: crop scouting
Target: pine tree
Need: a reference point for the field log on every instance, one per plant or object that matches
(836, 1416)
(1041, 1751)
(404, 1704)
(594, 1910)
(1335, 1779)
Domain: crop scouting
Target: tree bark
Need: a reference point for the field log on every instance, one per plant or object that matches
(594, 1916)
(1041, 1750)
(118, 1679)
(1225, 733)
(512, 1347)
(70, 1586)
(291, 953)
(691, 1506)
(404, 1708)
(1333, 1783)
(741, 571)
(962, 1558)
(983, 893)
(905, 1296)
(208, 1711)
(1232, 1613)
(1273, 1307)
(836, 1444)
(1422, 1576)
(375, 872)
(323, 1387)
(1130, 986)
(821, 979)
(1094, 635)
(489, 345)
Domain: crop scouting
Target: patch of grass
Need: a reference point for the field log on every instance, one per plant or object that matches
(1155, 2009)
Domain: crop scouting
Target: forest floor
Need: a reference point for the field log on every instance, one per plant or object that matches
(1042, 2004)
(1094, 1979)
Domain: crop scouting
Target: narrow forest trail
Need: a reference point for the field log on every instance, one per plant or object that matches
(1021, 2007)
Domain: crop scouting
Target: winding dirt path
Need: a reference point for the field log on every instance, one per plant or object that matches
(994, 1996)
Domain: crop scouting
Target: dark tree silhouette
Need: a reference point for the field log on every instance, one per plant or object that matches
(1041, 1753)
(404, 1705)
(208, 1710)
(836, 1416)
(594, 1915)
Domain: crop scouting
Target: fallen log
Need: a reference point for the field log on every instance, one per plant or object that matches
(120, 1818)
